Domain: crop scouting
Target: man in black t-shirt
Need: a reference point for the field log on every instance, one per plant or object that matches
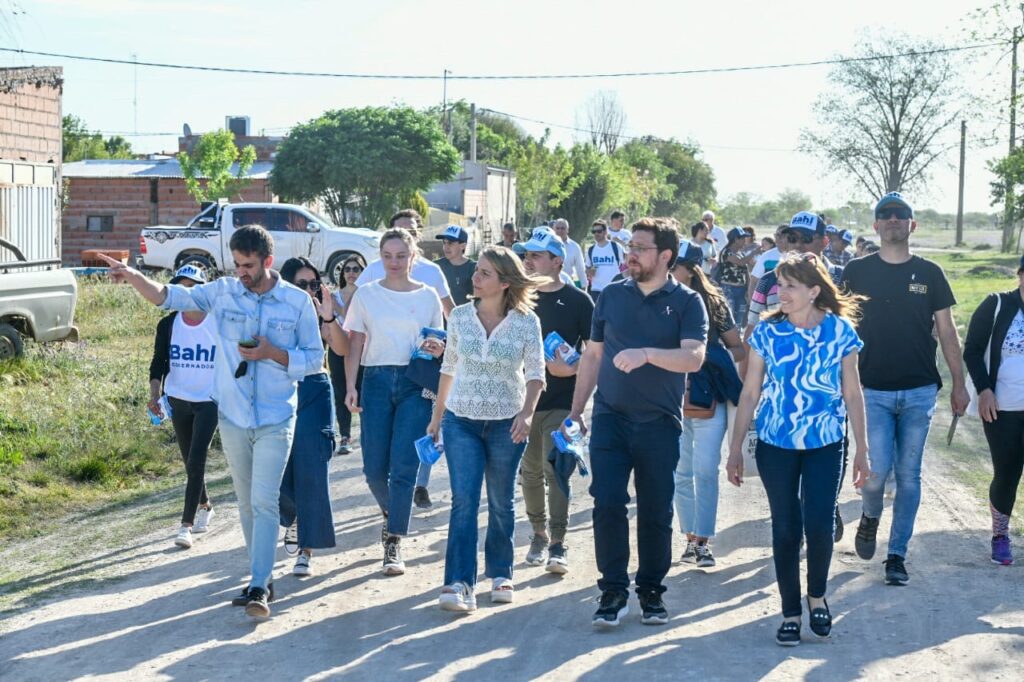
(457, 269)
(648, 332)
(907, 296)
(564, 309)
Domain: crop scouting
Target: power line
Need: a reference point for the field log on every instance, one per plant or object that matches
(564, 76)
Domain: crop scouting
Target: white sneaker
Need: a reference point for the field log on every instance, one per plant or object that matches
(457, 597)
(203, 518)
(301, 567)
(184, 538)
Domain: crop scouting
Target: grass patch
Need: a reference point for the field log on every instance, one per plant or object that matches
(73, 429)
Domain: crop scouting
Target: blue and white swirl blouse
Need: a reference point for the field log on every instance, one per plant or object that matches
(801, 405)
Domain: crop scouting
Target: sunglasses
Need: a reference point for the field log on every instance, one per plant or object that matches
(311, 284)
(597, 231)
(352, 268)
(889, 213)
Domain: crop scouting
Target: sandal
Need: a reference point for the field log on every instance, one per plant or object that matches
(502, 590)
(457, 597)
(788, 633)
(821, 620)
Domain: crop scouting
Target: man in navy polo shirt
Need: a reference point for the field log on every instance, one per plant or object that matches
(648, 332)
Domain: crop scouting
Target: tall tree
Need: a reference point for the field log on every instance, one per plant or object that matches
(494, 131)
(362, 162)
(80, 143)
(605, 119)
(208, 169)
(882, 123)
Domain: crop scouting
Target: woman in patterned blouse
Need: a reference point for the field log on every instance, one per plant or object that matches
(803, 370)
(491, 378)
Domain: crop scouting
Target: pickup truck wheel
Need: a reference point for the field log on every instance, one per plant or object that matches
(201, 262)
(334, 265)
(11, 345)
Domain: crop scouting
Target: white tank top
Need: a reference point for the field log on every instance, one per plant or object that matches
(193, 351)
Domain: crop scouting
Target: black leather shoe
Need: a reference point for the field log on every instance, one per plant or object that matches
(788, 633)
(821, 620)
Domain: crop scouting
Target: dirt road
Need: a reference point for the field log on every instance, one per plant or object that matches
(145, 610)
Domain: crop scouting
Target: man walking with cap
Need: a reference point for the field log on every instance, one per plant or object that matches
(457, 269)
(270, 340)
(907, 296)
(566, 310)
(648, 332)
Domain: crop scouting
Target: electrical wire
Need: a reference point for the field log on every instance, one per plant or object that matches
(500, 77)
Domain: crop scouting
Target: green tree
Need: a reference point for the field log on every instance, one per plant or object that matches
(593, 176)
(212, 160)
(1008, 190)
(81, 143)
(544, 178)
(494, 131)
(691, 178)
(362, 162)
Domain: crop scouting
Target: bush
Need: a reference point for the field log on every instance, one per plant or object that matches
(91, 469)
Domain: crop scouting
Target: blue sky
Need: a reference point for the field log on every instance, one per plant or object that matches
(747, 123)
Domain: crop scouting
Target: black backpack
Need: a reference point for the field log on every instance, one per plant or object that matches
(615, 250)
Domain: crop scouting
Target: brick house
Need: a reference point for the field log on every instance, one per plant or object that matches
(30, 160)
(107, 202)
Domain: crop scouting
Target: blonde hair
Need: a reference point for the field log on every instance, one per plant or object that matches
(809, 270)
(401, 234)
(521, 292)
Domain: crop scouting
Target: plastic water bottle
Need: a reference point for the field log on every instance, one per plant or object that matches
(575, 435)
(165, 408)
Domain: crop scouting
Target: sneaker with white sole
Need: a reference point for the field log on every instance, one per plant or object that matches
(689, 555)
(203, 518)
(538, 550)
(502, 591)
(184, 537)
(612, 606)
(301, 567)
(457, 597)
(291, 539)
(393, 564)
(558, 559)
(705, 559)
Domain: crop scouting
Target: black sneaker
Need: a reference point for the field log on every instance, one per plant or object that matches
(393, 564)
(421, 498)
(788, 633)
(652, 609)
(258, 607)
(864, 543)
(612, 607)
(243, 598)
(558, 559)
(895, 571)
(837, 534)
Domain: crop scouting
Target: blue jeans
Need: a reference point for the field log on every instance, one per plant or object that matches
(898, 423)
(736, 296)
(480, 451)
(395, 414)
(423, 474)
(257, 459)
(650, 451)
(305, 488)
(700, 452)
(802, 487)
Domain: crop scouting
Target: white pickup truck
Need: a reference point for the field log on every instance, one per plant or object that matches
(297, 231)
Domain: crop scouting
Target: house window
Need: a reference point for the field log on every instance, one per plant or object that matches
(99, 223)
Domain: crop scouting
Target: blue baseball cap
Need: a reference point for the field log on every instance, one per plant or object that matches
(847, 236)
(893, 199)
(807, 223)
(737, 233)
(689, 253)
(189, 271)
(832, 229)
(455, 233)
(544, 239)
(519, 249)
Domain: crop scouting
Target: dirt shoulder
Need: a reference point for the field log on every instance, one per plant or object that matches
(137, 607)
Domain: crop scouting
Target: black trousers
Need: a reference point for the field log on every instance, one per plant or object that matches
(194, 424)
(1006, 443)
(336, 363)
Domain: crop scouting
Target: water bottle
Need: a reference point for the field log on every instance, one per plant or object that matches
(574, 444)
(165, 408)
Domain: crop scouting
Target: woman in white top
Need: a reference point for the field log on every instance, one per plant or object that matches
(384, 319)
(491, 378)
(994, 355)
(182, 369)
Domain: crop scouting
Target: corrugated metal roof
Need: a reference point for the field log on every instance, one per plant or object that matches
(146, 168)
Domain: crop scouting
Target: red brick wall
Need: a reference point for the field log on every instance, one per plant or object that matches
(128, 201)
(30, 112)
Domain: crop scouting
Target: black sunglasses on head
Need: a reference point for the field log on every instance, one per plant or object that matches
(899, 213)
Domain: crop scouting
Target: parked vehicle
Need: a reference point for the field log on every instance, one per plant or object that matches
(297, 231)
(34, 302)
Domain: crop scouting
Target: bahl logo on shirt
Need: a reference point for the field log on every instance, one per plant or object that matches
(915, 287)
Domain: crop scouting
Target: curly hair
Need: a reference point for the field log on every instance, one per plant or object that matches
(809, 270)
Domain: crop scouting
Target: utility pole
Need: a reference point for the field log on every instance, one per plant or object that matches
(135, 92)
(1008, 216)
(472, 132)
(445, 118)
(960, 199)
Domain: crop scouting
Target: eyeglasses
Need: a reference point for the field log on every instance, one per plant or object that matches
(889, 213)
(311, 284)
(352, 268)
(640, 247)
(597, 231)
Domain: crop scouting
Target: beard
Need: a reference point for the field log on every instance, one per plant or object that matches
(641, 274)
(255, 281)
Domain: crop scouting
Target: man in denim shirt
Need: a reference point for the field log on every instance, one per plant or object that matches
(254, 387)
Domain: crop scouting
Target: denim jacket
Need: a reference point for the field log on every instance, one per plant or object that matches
(267, 393)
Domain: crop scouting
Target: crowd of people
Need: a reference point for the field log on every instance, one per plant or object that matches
(811, 338)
